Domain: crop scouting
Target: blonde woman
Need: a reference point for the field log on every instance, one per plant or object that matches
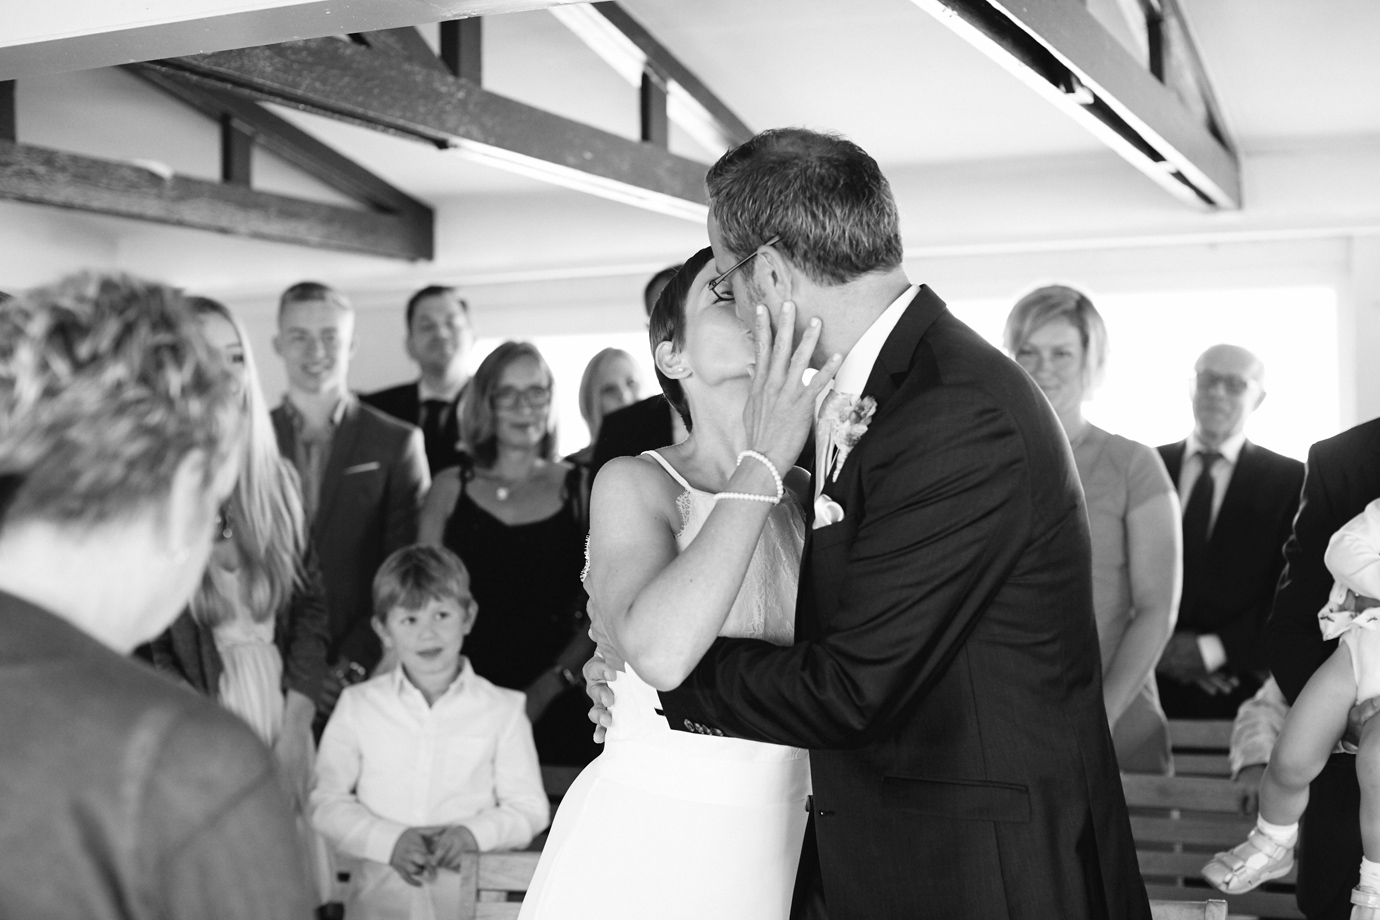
(1058, 336)
(254, 636)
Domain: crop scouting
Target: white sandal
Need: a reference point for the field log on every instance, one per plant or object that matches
(1249, 865)
(1367, 901)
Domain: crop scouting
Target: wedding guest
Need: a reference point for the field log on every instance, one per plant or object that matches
(647, 424)
(363, 475)
(514, 514)
(123, 795)
(254, 637)
(429, 760)
(1253, 733)
(1342, 478)
(1058, 336)
(1235, 521)
(611, 381)
(439, 338)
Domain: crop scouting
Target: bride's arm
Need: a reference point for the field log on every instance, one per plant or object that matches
(662, 610)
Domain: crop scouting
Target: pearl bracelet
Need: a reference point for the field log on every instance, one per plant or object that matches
(771, 467)
(746, 497)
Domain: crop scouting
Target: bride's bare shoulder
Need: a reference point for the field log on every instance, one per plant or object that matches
(636, 482)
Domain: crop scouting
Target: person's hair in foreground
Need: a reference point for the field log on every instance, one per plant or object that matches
(478, 415)
(667, 324)
(1053, 302)
(415, 575)
(821, 195)
(265, 516)
(105, 386)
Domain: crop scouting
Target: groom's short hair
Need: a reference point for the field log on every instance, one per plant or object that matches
(821, 193)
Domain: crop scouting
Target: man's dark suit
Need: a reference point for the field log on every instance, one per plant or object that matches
(645, 425)
(1343, 477)
(1232, 594)
(946, 675)
(404, 403)
(372, 491)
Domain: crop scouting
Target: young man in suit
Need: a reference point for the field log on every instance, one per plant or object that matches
(439, 338)
(647, 424)
(1236, 519)
(364, 475)
(945, 673)
(1343, 476)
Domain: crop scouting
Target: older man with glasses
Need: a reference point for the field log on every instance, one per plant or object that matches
(1238, 503)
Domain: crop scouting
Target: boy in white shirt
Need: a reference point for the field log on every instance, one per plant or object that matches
(429, 760)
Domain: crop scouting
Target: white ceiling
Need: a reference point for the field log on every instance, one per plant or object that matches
(895, 80)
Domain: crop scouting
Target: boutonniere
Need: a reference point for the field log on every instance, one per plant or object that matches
(849, 418)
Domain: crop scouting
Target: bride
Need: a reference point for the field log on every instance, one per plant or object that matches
(686, 544)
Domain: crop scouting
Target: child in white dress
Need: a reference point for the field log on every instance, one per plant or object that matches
(1316, 723)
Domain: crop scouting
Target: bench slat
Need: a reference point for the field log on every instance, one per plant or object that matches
(507, 871)
(1202, 765)
(1225, 833)
(1185, 865)
(1254, 903)
(1210, 734)
(1194, 793)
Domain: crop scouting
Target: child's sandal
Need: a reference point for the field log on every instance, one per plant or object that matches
(1249, 865)
(1367, 901)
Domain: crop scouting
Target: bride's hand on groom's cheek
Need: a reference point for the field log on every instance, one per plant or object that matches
(781, 408)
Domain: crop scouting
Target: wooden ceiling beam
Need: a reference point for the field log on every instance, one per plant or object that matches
(40, 175)
(1060, 49)
(355, 84)
(60, 36)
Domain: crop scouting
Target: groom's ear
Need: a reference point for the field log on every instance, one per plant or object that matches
(668, 361)
(774, 276)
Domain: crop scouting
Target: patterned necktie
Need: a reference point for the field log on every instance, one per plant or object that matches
(1198, 511)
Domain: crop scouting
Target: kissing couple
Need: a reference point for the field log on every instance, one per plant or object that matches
(872, 690)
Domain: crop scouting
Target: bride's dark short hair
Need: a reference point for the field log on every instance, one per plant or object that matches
(667, 324)
(819, 192)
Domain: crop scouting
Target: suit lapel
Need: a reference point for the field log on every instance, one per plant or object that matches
(1174, 460)
(343, 446)
(893, 364)
(1244, 483)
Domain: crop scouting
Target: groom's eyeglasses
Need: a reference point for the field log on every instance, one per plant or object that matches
(717, 280)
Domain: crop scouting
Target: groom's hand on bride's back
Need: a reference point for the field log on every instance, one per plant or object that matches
(780, 410)
(598, 672)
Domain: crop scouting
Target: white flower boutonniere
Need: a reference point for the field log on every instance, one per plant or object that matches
(849, 418)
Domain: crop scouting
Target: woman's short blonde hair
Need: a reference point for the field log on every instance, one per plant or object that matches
(1056, 301)
(591, 409)
(106, 384)
(478, 422)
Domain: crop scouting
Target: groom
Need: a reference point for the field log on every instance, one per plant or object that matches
(945, 675)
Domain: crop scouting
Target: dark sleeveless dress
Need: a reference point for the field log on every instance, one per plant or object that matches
(526, 581)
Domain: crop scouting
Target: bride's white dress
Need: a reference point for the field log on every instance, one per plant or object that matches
(673, 825)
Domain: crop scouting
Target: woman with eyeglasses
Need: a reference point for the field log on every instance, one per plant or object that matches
(1058, 336)
(514, 514)
(254, 636)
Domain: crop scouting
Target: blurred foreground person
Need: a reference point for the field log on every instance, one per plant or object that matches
(123, 795)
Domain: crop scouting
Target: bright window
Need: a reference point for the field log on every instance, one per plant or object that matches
(1155, 339)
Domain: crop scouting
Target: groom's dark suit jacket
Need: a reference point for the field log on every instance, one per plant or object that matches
(946, 675)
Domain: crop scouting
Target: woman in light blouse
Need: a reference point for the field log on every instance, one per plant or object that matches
(1057, 335)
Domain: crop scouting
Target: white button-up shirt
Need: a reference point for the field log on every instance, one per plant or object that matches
(388, 761)
(851, 377)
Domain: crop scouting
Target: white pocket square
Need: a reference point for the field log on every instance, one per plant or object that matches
(827, 511)
(361, 467)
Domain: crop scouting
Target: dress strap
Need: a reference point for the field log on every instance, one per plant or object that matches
(670, 470)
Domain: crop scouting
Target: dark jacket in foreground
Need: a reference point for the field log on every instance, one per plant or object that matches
(124, 795)
(1343, 477)
(946, 675)
(371, 494)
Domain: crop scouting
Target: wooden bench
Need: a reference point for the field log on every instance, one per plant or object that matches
(491, 884)
(1180, 821)
(1188, 910)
